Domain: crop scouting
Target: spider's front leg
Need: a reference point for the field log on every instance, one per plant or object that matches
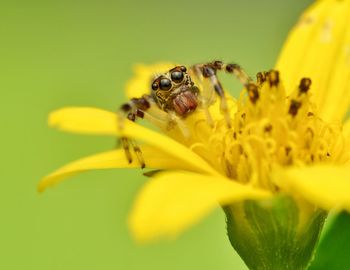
(242, 76)
(145, 108)
(209, 70)
(132, 110)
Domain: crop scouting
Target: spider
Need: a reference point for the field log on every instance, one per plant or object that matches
(176, 95)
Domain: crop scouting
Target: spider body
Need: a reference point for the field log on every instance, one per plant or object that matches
(174, 96)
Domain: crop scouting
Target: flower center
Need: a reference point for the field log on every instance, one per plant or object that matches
(271, 128)
(268, 128)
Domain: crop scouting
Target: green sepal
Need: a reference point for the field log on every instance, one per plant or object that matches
(274, 234)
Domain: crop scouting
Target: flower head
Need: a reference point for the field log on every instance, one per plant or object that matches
(286, 136)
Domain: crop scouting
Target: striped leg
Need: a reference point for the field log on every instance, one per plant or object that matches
(145, 108)
(132, 110)
(128, 143)
(206, 96)
(209, 71)
(234, 69)
(204, 71)
(242, 76)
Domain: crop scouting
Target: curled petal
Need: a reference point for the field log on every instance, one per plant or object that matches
(112, 160)
(173, 201)
(325, 186)
(96, 121)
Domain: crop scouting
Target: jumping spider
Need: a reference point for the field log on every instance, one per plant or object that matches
(175, 94)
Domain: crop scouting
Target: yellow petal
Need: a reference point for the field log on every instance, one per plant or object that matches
(346, 133)
(96, 121)
(346, 129)
(336, 102)
(297, 44)
(325, 186)
(140, 83)
(173, 201)
(110, 160)
(318, 47)
(84, 120)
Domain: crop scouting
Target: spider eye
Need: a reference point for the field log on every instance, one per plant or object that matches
(184, 69)
(177, 76)
(165, 84)
(154, 86)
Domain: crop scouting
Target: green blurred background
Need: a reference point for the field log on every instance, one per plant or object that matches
(62, 53)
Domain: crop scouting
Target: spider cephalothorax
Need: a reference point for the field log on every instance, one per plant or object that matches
(175, 91)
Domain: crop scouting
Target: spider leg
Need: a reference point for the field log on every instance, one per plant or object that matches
(234, 69)
(138, 153)
(145, 108)
(132, 110)
(209, 71)
(206, 98)
(243, 77)
(174, 119)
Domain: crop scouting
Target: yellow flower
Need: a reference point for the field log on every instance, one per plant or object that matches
(291, 140)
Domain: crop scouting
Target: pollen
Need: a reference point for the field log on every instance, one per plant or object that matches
(270, 128)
